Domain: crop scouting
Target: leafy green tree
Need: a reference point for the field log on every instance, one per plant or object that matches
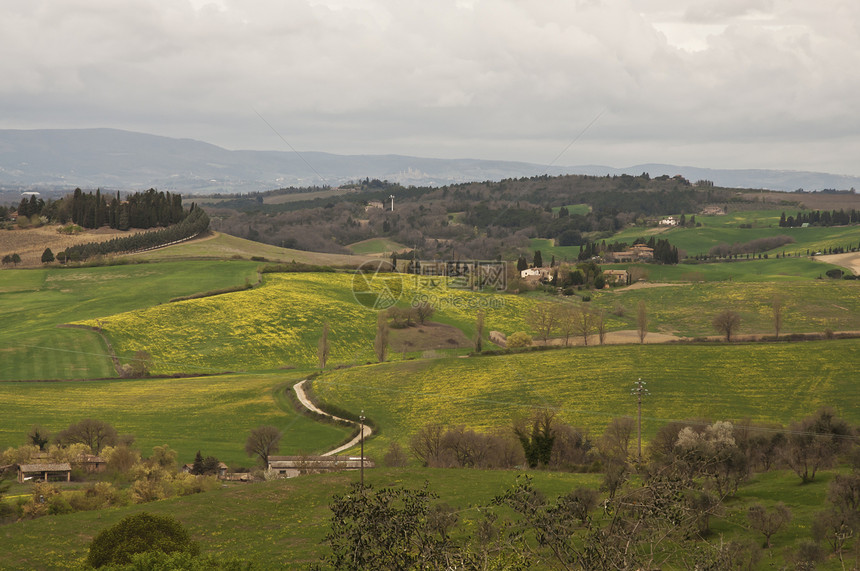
(538, 260)
(537, 437)
(47, 256)
(139, 533)
(39, 436)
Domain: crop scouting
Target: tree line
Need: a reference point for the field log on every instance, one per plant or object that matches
(196, 222)
(839, 217)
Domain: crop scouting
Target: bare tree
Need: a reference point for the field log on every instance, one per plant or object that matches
(584, 323)
(423, 311)
(94, 433)
(262, 442)
(566, 321)
(323, 346)
(777, 306)
(768, 522)
(600, 325)
(727, 323)
(641, 321)
(380, 343)
(479, 331)
(543, 320)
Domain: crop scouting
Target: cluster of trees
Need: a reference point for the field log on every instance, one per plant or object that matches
(139, 210)
(839, 217)
(196, 222)
(548, 320)
(650, 512)
(133, 479)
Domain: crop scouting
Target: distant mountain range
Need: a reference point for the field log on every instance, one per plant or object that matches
(112, 159)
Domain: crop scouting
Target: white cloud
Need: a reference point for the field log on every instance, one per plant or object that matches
(713, 83)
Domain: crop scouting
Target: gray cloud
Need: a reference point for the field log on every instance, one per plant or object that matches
(716, 83)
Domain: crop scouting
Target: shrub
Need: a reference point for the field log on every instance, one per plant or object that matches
(519, 339)
(139, 533)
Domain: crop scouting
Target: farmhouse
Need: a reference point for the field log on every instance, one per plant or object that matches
(374, 204)
(536, 273)
(221, 473)
(637, 253)
(669, 221)
(292, 466)
(60, 472)
(90, 463)
(618, 277)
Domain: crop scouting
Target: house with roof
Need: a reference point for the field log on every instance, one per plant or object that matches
(57, 472)
(292, 466)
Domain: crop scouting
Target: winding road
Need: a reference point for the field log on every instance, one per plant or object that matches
(299, 388)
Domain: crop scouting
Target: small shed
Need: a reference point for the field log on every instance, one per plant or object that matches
(59, 472)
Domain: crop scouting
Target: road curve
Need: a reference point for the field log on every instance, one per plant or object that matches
(299, 389)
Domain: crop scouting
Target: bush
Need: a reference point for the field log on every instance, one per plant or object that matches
(519, 339)
(139, 533)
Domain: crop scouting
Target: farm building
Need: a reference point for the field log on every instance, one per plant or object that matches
(59, 472)
(618, 277)
(292, 466)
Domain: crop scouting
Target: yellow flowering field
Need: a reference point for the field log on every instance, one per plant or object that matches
(279, 324)
(590, 386)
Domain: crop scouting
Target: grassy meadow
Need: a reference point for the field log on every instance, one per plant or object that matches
(281, 524)
(211, 414)
(34, 302)
(590, 386)
(715, 230)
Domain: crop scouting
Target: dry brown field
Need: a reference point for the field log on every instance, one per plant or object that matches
(31, 242)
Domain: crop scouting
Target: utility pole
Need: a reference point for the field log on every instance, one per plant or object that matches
(639, 390)
(361, 418)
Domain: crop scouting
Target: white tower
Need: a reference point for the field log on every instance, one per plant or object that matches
(392, 202)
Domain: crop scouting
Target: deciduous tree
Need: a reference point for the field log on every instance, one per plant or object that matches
(94, 433)
(263, 442)
(727, 323)
(641, 321)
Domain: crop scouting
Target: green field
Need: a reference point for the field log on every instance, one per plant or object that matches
(716, 230)
(590, 386)
(212, 414)
(282, 524)
(34, 302)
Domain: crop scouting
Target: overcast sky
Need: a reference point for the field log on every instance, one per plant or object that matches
(709, 83)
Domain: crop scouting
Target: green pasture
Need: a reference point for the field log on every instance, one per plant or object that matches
(281, 524)
(377, 246)
(716, 230)
(277, 525)
(211, 414)
(815, 238)
(776, 383)
(742, 270)
(811, 306)
(34, 302)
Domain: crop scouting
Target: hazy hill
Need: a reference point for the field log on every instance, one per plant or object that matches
(115, 159)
